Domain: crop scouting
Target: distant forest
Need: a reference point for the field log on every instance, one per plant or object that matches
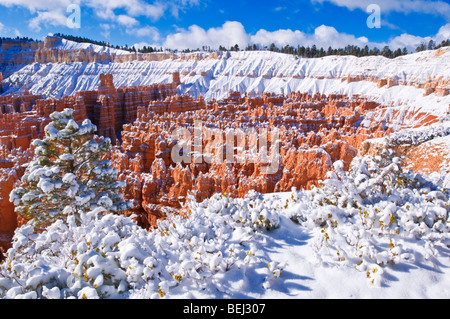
(306, 52)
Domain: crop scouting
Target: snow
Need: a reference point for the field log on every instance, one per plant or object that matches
(373, 232)
(67, 45)
(255, 72)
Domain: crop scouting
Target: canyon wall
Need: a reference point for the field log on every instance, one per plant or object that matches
(312, 132)
(47, 51)
(424, 70)
(211, 95)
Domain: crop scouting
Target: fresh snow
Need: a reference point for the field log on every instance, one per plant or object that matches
(67, 45)
(253, 72)
(373, 232)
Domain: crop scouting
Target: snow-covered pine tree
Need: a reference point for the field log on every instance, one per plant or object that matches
(68, 174)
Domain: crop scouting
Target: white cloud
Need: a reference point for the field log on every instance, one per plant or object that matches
(34, 6)
(443, 33)
(147, 32)
(133, 8)
(407, 41)
(106, 29)
(54, 18)
(229, 34)
(278, 37)
(440, 8)
(47, 12)
(50, 12)
(233, 32)
(127, 20)
(323, 36)
(142, 44)
(411, 42)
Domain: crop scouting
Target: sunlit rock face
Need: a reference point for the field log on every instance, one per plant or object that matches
(312, 132)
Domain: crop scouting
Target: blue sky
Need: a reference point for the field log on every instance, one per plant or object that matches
(192, 23)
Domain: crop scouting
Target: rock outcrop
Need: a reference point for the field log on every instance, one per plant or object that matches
(12, 167)
(47, 51)
(313, 132)
(24, 116)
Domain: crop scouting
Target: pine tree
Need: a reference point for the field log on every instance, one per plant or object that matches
(68, 174)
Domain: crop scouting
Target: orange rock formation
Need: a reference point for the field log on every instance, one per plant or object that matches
(312, 132)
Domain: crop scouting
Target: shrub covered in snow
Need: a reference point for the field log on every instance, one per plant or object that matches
(69, 173)
(367, 219)
(420, 135)
(109, 256)
(374, 215)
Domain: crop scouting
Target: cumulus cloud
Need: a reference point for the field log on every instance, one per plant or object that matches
(54, 18)
(411, 41)
(278, 37)
(443, 34)
(229, 34)
(323, 36)
(133, 8)
(233, 32)
(127, 20)
(440, 8)
(34, 6)
(408, 41)
(50, 12)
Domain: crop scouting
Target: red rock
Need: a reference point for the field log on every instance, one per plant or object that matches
(314, 131)
(328, 133)
(8, 220)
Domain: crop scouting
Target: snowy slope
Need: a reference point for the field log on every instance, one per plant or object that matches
(67, 45)
(220, 251)
(253, 72)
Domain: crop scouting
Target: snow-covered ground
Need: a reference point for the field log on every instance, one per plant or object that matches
(374, 232)
(306, 277)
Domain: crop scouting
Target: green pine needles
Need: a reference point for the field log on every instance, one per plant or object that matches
(68, 174)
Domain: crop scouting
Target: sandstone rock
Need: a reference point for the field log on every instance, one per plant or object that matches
(313, 132)
(8, 220)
